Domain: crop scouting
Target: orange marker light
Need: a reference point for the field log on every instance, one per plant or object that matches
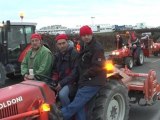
(109, 65)
(45, 107)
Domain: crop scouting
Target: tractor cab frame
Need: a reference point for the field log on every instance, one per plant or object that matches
(14, 38)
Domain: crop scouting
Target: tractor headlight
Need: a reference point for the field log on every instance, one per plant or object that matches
(113, 53)
(116, 53)
(151, 46)
(125, 47)
(154, 46)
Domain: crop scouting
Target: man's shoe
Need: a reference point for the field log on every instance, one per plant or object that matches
(56, 113)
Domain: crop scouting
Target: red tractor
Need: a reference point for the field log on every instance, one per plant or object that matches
(28, 100)
(128, 54)
(155, 48)
(149, 46)
(31, 100)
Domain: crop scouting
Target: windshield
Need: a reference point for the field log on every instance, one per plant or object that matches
(19, 35)
(15, 37)
(18, 38)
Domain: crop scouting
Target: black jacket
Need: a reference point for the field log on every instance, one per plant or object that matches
(91, 64)
(63, 66)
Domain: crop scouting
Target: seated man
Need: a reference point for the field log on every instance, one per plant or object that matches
(65, 60)
(132, 39)
(133, 43)
(92, 75)
(38, 60)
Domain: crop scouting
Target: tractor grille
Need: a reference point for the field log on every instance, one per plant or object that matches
(8, 111)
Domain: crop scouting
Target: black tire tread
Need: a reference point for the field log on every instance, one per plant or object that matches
(97, 104)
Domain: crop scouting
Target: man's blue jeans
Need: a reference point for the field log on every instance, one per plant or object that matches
(83, 95)
(64, 96)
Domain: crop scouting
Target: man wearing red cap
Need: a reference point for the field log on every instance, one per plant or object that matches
(38, 60)
(91, 74)
(65, 60)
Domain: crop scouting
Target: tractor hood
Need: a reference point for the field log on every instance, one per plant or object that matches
(23, 94)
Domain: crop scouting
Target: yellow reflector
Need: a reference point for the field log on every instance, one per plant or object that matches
(109, 65)
(45, 107)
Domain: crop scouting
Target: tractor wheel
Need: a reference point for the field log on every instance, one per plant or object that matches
(155, 53)
(129, 62)
(110, 103)
(140, 59)
(2, 74)
(55, 113)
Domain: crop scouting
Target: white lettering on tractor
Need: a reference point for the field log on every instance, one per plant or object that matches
(11, 102)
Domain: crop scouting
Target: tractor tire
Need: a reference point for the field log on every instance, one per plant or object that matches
(110, 103)
(129, 62)
(2, 75)
(55, 113)
(140, 58)
(155, 53)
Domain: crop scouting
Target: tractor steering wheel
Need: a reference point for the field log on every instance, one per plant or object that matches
(46, 79)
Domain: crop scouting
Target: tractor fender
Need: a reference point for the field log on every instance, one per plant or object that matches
(2, 74)
(23, 53)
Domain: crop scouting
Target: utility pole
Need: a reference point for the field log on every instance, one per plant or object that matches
(92, 18)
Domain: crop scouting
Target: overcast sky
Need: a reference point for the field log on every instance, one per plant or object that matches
(79, 12)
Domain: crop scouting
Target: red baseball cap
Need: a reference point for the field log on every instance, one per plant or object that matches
(61, 36)
(85, 30)
(37, 36)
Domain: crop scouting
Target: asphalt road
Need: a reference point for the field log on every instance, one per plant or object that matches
(147, 112)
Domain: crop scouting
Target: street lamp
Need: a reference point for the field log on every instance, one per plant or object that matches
(21, 14)
(92, 18)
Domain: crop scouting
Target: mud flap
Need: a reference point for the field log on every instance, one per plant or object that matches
(2, 74)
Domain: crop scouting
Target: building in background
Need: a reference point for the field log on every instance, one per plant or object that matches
(53, 30)
(58, 29)
(96, 28)
(140, 26)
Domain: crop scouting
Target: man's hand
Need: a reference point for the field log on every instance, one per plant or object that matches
(30, 77)
(58, 88)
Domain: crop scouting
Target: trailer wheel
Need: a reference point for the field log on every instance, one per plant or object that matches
(111, 103)
(140, 59)
(2, 74)
(155, 53)
(129, 62)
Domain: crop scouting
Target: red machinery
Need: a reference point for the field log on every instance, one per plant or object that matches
(26, 100)
(30, 100)
(14, 39)
(149, 47)
(145, 83)
(124, 87)
(155, 48)
(125, 56)
(130, 54)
